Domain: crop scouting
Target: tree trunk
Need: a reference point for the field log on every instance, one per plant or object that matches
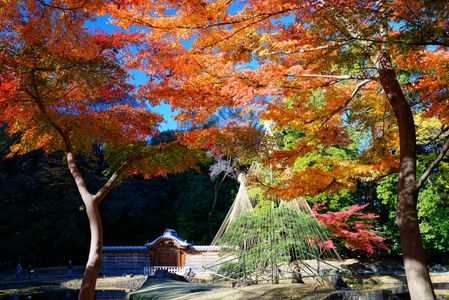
(87, 291)
(418, 279)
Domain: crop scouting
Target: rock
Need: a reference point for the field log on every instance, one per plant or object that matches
(358, 280)
(438, 268)
(371, 281)
(376, 269)
(243, 282)
(335, 280)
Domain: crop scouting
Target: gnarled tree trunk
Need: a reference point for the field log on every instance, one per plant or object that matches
(418, 279)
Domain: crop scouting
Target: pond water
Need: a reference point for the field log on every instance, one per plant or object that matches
(62, 294)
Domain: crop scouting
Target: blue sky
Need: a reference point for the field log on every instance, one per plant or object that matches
(102, 22)
(139, 78)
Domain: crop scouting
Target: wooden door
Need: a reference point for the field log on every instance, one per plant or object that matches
(168, 257)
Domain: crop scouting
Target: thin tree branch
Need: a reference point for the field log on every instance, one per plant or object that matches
(40, 104)
(327, 186)
(71, 161)
(383, 175)
(328, 117)
(343, 105)
(444, 129)
(358, 87)
(354, 92)
(62, 8)
(307, 50)
(341, 77)
(211, 25)
(434, 42)
(104, 190)
(235, 33)
(419, 24)
(432, 166)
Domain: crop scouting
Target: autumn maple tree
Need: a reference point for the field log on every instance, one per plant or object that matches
(321, 67)
(351, 228)
(64, 88)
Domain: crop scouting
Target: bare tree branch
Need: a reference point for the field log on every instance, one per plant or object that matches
(432, 166)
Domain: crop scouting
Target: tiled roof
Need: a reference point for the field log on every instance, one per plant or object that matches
(123, 248)
(170, 234)
(204, 248)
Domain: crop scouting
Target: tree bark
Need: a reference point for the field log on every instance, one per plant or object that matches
(418, 279)
(87, 290)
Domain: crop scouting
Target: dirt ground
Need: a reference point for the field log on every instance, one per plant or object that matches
(365, 276)
(169, 289)
(370, 276)
(126, 283)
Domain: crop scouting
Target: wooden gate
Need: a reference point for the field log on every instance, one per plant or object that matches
(168, 257)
